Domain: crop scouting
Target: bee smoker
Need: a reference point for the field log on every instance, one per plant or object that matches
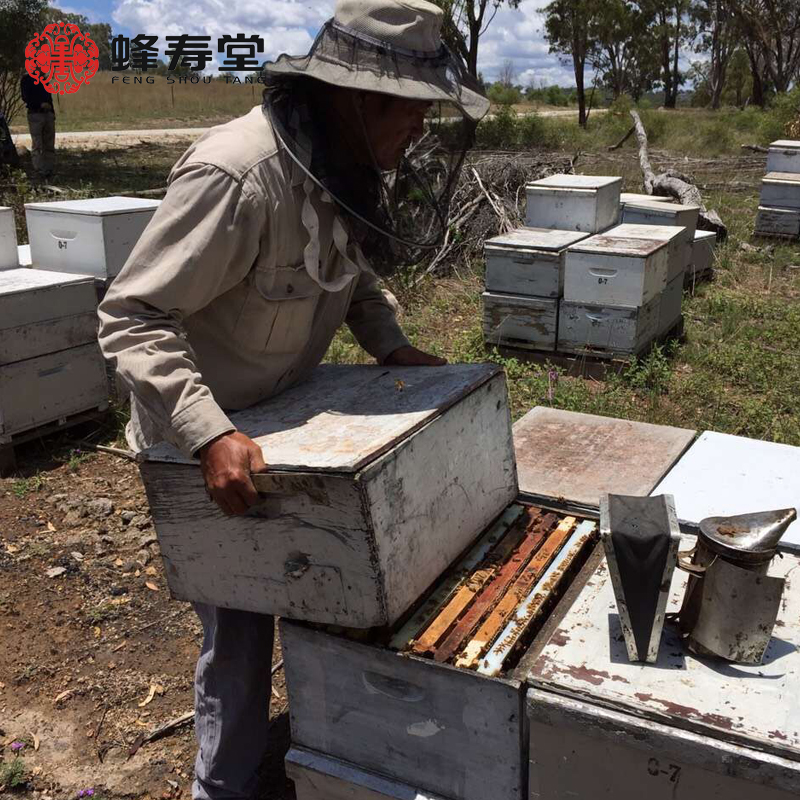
(731, 603)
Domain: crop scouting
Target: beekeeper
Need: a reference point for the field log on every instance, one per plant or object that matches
(269, 238)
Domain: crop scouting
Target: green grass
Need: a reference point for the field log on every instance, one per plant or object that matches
(13, 774)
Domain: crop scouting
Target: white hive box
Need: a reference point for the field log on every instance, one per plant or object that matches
(519, 321)
(780, 190)
(724, 475)
(653, 212)
(379, 477)
(682, 729)
(620, 271)
(703, 252)
(319, 777)
(585, 203)
(586, 329)
(679, 240)
(784, 156)
(670, 305)
(528, 261)
(40, 390)
(93, 236)
(784, 222)
(8, 239)
(44, 312)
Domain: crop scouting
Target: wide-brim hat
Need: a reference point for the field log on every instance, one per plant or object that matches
(392, 47)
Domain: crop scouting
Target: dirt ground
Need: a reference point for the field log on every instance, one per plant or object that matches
(94, 652)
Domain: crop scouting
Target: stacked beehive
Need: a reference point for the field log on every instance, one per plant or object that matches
(555, 287)
(779, 207)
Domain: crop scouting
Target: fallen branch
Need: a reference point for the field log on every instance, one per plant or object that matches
(623, 139)
(145, 193)
(675, 184)
(160, 732)
(756, 148)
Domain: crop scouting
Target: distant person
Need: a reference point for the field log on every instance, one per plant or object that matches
(42, 124)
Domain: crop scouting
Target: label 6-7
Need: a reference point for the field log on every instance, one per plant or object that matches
(62, 244)
(671, 771)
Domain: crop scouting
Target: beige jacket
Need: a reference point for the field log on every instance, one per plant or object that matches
(223, 301)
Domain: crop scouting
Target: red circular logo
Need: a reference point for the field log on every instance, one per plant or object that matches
(62, 58)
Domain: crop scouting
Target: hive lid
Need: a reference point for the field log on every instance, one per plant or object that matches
(23, 279)
(575, 458)
(608, 244)
(343, 417)
(634, 197)
(97, 206)
(653, 207)
(536, 239)
(782, 177)
(664, 233)
(704, 235)
(575, 182)
(755, 705)
(726, 475)
(786, 144)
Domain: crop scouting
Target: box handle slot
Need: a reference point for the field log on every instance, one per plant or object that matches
(596, 317)
(393, 688)
(67, 235)
(598, 272)
(53, 371)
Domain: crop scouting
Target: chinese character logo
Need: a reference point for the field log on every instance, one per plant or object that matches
(62, 58)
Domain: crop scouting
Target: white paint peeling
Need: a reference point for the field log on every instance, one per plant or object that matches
(426, 729)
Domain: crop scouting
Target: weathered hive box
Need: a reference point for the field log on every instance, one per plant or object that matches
(670, 305)
(620, 271)
(653, 212)
(679, 240)
(681, 729)
(8, 238)
(784, 222)
(44, 312)
(433, 704)
(585, 203)
(528, 261)
(92, 236)
(519, 321)
(51, 387)
(780, 190)
(784, 156)
(379, 478)
(587, 329)
(703, 252)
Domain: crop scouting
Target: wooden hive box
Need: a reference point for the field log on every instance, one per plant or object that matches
(681, 729)
(783, 222)
(586, 329)
(780, 190)
(93, 236)
(784, 156)
(528, 261)
(653, 212)
(520, 321)
(8, 238)
(585, 203)
(703, 252)
(402, 704)
(616, 271)
(670, 305)
(44, 312)
(679, 240)
(379, 477)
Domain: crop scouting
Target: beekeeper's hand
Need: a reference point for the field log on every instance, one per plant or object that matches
(227, 463)
(409, 356)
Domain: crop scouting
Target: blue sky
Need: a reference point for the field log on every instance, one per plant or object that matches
(289, 26)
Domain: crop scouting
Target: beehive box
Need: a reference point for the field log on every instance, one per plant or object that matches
(652, 212)
(433, 703)
(44, 312)
(784, 222)
(670, 305)
(585, 203)
(681, 729)
(92, 236)
(528, 261)
(619, 271)
(519, 321)
(703, 252)
(679, 240)
(586, 329)
(379, 477)
(780, 190)
(51, 387)
(8, 238)
(784, 156)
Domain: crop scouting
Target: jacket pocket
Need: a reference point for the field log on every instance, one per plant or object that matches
(278, 314)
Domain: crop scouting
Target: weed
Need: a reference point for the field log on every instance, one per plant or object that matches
(26, 485)
(103, 612)
(13, 774)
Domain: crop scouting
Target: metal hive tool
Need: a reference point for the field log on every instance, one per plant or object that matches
(640, 536)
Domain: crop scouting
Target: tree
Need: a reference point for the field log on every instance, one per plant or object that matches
(670, 32)
(20, 21)
(568, 29)
(717, 36)
(507, 74)
(465, 21)
(772, 32)
(739, 85)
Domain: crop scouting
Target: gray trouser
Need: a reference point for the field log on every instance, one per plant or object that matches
(42, 125)
(232, 692)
